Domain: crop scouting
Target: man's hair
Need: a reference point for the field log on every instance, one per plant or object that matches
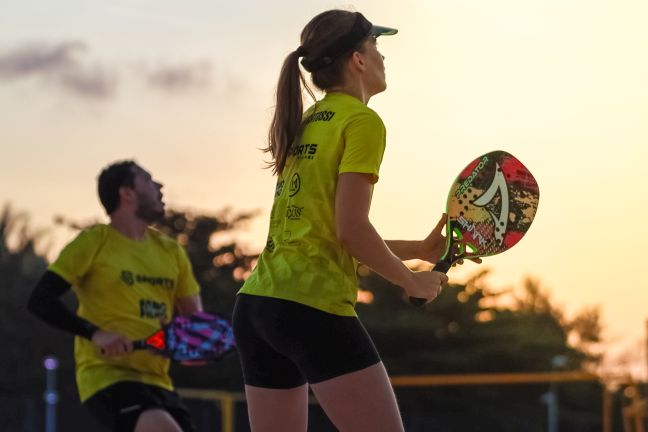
(113, 177)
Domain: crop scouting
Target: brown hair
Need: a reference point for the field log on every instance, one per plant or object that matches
(111, 179)
(316, 37)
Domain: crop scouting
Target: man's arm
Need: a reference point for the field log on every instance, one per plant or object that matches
(45, 303)
(188, 305)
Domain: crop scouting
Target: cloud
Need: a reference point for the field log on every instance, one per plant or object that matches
(180, 77)
(66, 66)
(61, 65)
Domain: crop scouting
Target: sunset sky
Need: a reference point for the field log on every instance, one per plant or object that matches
(186, 88)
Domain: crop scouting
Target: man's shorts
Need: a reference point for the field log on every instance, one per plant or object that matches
(119, 406)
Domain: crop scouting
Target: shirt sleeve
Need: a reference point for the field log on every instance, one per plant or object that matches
(364, 145)
(76, 258)
(45, 303)
(187, 284)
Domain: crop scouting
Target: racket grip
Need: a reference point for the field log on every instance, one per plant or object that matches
(441, 267)
(139, 344)
(416, 301)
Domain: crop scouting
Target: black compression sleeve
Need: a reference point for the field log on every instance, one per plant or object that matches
(46, 304)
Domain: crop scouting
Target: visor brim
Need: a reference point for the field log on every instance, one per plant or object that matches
(383, 31)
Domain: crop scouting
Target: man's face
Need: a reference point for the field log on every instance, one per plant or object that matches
(150, 206)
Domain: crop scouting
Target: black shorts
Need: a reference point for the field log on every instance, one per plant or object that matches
(284, 344)
(119, 406)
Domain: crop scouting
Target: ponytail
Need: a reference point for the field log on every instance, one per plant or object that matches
(287, 117)
(326, 70)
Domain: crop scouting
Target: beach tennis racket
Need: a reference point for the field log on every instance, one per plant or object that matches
(201, 336)
(490, 207)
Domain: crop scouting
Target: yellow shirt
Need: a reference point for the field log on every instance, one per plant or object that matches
(128, 287)
(303, 260)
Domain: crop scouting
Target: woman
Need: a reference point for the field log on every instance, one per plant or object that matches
(294, 318)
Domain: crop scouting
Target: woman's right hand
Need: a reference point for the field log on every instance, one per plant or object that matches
(426, 285)
(111, 344)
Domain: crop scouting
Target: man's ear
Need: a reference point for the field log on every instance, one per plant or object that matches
(126, 195)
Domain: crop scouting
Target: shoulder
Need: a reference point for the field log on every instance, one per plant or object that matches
(160, 237)
(349, 109)
(163, 240)
(367, 114)
(82, 249)
(97, 229)
(93, 234)
(338, 107)
(365, 120)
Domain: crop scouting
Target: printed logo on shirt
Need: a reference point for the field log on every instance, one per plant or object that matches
(294, 213)
(318, 116)
(295, 185)
(304, 151)
(152, 309)
(279, 187)
(127, 277)
(130, 279)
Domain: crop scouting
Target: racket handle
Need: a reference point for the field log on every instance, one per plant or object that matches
(416, 301)
(139, 344)
(441, 267)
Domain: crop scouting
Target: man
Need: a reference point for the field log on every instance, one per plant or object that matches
(128, 277)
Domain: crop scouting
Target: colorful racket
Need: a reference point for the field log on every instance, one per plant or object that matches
(490, 207)
(200, 336)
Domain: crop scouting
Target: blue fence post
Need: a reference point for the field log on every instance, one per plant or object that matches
(51, 395)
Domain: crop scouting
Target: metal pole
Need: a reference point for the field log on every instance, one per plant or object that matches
(552, 405)
(51, 395)
(607, 409)
(553, 417)
(227, 414)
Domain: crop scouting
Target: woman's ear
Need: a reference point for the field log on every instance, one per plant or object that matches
(358, 61)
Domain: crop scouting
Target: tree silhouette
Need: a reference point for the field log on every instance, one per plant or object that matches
(25, 341)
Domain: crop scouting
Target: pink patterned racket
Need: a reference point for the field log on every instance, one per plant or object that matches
(201, 336)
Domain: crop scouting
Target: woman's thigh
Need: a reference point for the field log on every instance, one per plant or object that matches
(360, 401)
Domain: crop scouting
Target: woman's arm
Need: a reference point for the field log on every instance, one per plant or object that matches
(359, 237)
(430, 249)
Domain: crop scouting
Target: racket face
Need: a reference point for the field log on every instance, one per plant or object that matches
(201, 336)
(490, 207)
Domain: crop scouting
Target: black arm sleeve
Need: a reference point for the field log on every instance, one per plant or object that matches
(46, 304)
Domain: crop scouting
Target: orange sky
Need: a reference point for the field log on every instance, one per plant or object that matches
(187, 91)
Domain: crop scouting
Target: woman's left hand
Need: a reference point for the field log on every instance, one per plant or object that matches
(434, 244)
(433, 247)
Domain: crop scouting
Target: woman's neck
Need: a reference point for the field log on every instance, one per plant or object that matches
(356, 90)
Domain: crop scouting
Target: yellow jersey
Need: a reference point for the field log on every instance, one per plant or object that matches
(128, 287)
(303, 260)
